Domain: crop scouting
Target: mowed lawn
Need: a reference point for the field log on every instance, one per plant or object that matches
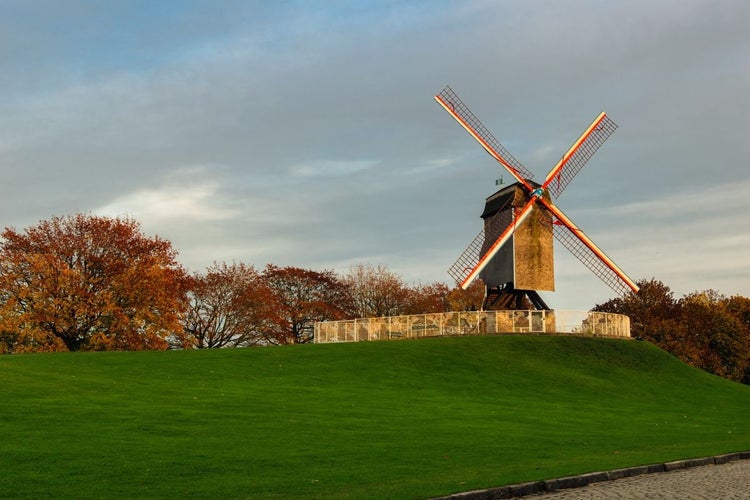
(401, 419)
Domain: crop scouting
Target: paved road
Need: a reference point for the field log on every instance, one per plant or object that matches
(730, 481)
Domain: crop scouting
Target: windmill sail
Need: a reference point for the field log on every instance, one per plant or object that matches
(579, 153)
(448, 99)
(500, 225)
(585, 250)
(591, 260)
(478, 254)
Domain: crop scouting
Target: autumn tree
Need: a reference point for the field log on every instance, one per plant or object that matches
(653, 310)
(88, 282)
(230, 306)
(375, 291)
(470, 299)
(302, 297)
(739, 307)
(704, 329)
(427, 298)
(715, 339)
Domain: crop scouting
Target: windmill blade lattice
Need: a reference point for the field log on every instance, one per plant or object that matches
(565, 235)
(482, 133)
(524, 268)
(469, 259)
(582, 150)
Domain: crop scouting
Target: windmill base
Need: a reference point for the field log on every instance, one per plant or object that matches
(507, 297)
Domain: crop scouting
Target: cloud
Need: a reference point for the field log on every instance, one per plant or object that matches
(307, 135)
(184, 194)
(691, 240)
(330, 168)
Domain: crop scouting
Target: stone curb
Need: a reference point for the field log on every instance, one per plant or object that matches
(550, 485)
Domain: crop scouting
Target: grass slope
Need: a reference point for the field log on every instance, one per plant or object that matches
(407, 419)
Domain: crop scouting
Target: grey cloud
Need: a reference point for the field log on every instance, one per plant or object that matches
(318, 144)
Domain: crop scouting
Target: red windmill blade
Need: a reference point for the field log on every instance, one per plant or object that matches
(473, 260)
(579, 153)
(448, 99)
(484, 256)
(617, 281)
(585, 250)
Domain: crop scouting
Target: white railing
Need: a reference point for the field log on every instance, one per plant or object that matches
(585, 323)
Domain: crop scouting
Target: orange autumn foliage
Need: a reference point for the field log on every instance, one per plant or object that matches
(302, 297)
(230, 306)
(88, 283)
(704, 329)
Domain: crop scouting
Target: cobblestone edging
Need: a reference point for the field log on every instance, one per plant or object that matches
(552, 485)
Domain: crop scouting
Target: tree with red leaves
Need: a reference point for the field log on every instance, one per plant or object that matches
(470, 299)
(426, 299)
(704, 329)
(230, 306)
(375, 291)
(302, 297)
(88, 282)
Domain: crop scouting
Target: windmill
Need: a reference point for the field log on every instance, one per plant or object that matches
(513, 254)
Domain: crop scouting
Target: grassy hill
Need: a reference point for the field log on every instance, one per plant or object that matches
(404, 419)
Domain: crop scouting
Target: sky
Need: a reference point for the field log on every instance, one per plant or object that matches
(305, 133)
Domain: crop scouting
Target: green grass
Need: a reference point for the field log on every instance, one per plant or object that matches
(406, 419)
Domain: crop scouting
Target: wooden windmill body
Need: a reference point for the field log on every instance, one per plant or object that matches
(513, 254)
(525, 263)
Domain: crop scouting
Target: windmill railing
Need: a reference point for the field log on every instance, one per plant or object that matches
(533, 322)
